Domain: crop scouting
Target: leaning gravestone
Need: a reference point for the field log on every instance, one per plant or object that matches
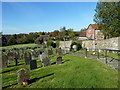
(27, 57)
(4, 61)
(23, 74)
(33, 64)
(59, 60)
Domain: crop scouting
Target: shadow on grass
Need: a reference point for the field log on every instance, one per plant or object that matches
(31, 81)
(53, 63)
(15, 65)
(9, 86)
(66, 61)
(36, 79)
(7, 70)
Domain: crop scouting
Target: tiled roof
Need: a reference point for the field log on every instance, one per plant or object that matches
(94, 25)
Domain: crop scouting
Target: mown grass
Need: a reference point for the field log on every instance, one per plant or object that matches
(75, 72)
(101, 54)
(19, 46)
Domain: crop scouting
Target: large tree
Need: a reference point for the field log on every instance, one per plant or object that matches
(108, 19)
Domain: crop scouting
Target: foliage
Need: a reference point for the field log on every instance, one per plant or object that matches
(78, 43)
(108, 19)
(49, 43)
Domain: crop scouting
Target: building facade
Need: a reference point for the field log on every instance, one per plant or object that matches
(93, 33)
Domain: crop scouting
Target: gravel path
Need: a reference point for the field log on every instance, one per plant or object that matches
(115, 64)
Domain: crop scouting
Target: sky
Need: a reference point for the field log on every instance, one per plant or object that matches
(26, 17)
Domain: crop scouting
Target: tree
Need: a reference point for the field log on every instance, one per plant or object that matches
(107, 17)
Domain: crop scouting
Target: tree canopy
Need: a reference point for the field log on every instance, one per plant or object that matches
(108, 19)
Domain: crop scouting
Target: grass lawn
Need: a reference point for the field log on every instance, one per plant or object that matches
(19, 46)
(75, 72)
(102, 54)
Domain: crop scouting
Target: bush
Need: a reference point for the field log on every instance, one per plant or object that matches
(57, 43)
(78, 43)
(49, 43)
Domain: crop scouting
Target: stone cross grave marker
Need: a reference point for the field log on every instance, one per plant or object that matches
(23, 74)
(33, 64)
(59, 60)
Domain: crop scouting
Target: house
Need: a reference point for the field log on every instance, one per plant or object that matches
(93, 33)
(82, 35)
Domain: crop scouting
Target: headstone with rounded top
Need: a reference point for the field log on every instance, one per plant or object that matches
(59, 60)
(23, 74)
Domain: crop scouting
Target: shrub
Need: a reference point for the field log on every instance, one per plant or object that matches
(49, 43)
(78, 43)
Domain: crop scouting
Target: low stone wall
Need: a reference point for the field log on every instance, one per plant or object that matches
(112, 43)
(65, 44)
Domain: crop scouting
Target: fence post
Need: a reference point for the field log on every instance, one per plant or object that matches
(98, 54)
(106, 56)
(86, 53)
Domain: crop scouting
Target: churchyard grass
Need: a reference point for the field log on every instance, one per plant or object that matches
(102, 54)
(75, 72)
(19, 46)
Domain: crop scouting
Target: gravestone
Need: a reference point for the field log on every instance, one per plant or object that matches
(45, 62)
(27, 58)
(10, 56)
(74, 47)
(16, 56)
(4, 61)
(33, 64)
(50, 52)
(42, 56)
(59, 51)
(44, 59)
(59, 60)
(23, 74)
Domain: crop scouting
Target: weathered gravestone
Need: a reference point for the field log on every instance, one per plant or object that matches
(23, 74)
(4, 61)
(10, 56)
(59, 60)
(27, 57)
(16, 57)
(33, 54)
(50, 52)
(59, 51)
(33, 64)
(45, 60)
(74, 47)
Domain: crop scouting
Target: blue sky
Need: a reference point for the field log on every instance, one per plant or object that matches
(26, 17)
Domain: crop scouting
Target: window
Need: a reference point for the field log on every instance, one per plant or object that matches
(90, 30)
(90, 36)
